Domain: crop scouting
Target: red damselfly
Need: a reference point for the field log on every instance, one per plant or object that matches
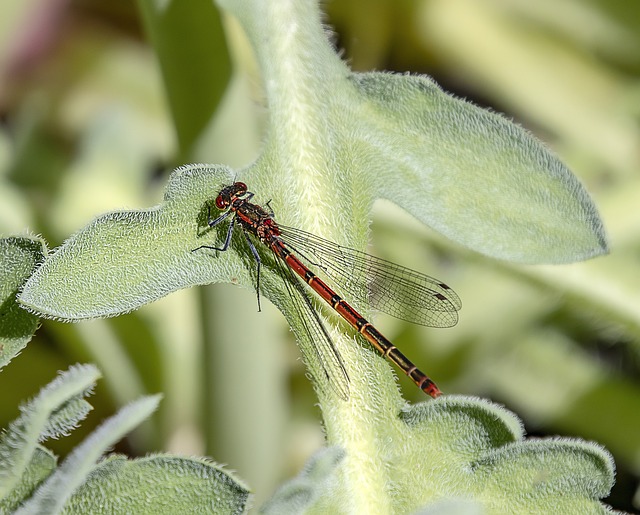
(368, 280)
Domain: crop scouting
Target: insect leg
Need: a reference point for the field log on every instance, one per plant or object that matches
(258, 266)
(227, 240)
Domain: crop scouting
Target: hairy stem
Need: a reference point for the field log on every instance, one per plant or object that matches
(305, 82)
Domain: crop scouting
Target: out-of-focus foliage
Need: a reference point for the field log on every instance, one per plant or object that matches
(86, 129)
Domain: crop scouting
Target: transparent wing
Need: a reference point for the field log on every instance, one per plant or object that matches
(365, 279)
(315, 339)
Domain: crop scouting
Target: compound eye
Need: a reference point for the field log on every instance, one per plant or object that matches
(240, 188)
(221, 202)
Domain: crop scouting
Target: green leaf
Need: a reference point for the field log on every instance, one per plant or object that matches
(64, 419)
(459, 455)
(550, 474)
(460, 447)
(52, 495)
(184, 33)
(311, 489)
(123, 260)
(42, 463)
(18, 258)
(471, 174)
(53, 412)
(159, 484)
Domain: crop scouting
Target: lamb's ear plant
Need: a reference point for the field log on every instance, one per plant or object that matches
(32, 481)
(337, 141)
(18, 259)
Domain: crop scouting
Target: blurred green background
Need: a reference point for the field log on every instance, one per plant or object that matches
(100, 100)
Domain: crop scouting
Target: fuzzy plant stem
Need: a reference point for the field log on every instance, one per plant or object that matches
(302, 77)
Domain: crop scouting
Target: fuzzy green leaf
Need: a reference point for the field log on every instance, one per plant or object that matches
(159, 484)
(42, 463)
(18, 258)
(66, 418)
(53, 494)
(471, 174)
(311, 489)
(126, 259)
(562, 474)
(467, 448)
(54, 411)
(461, 455)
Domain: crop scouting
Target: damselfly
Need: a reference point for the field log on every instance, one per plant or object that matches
(368, 280)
